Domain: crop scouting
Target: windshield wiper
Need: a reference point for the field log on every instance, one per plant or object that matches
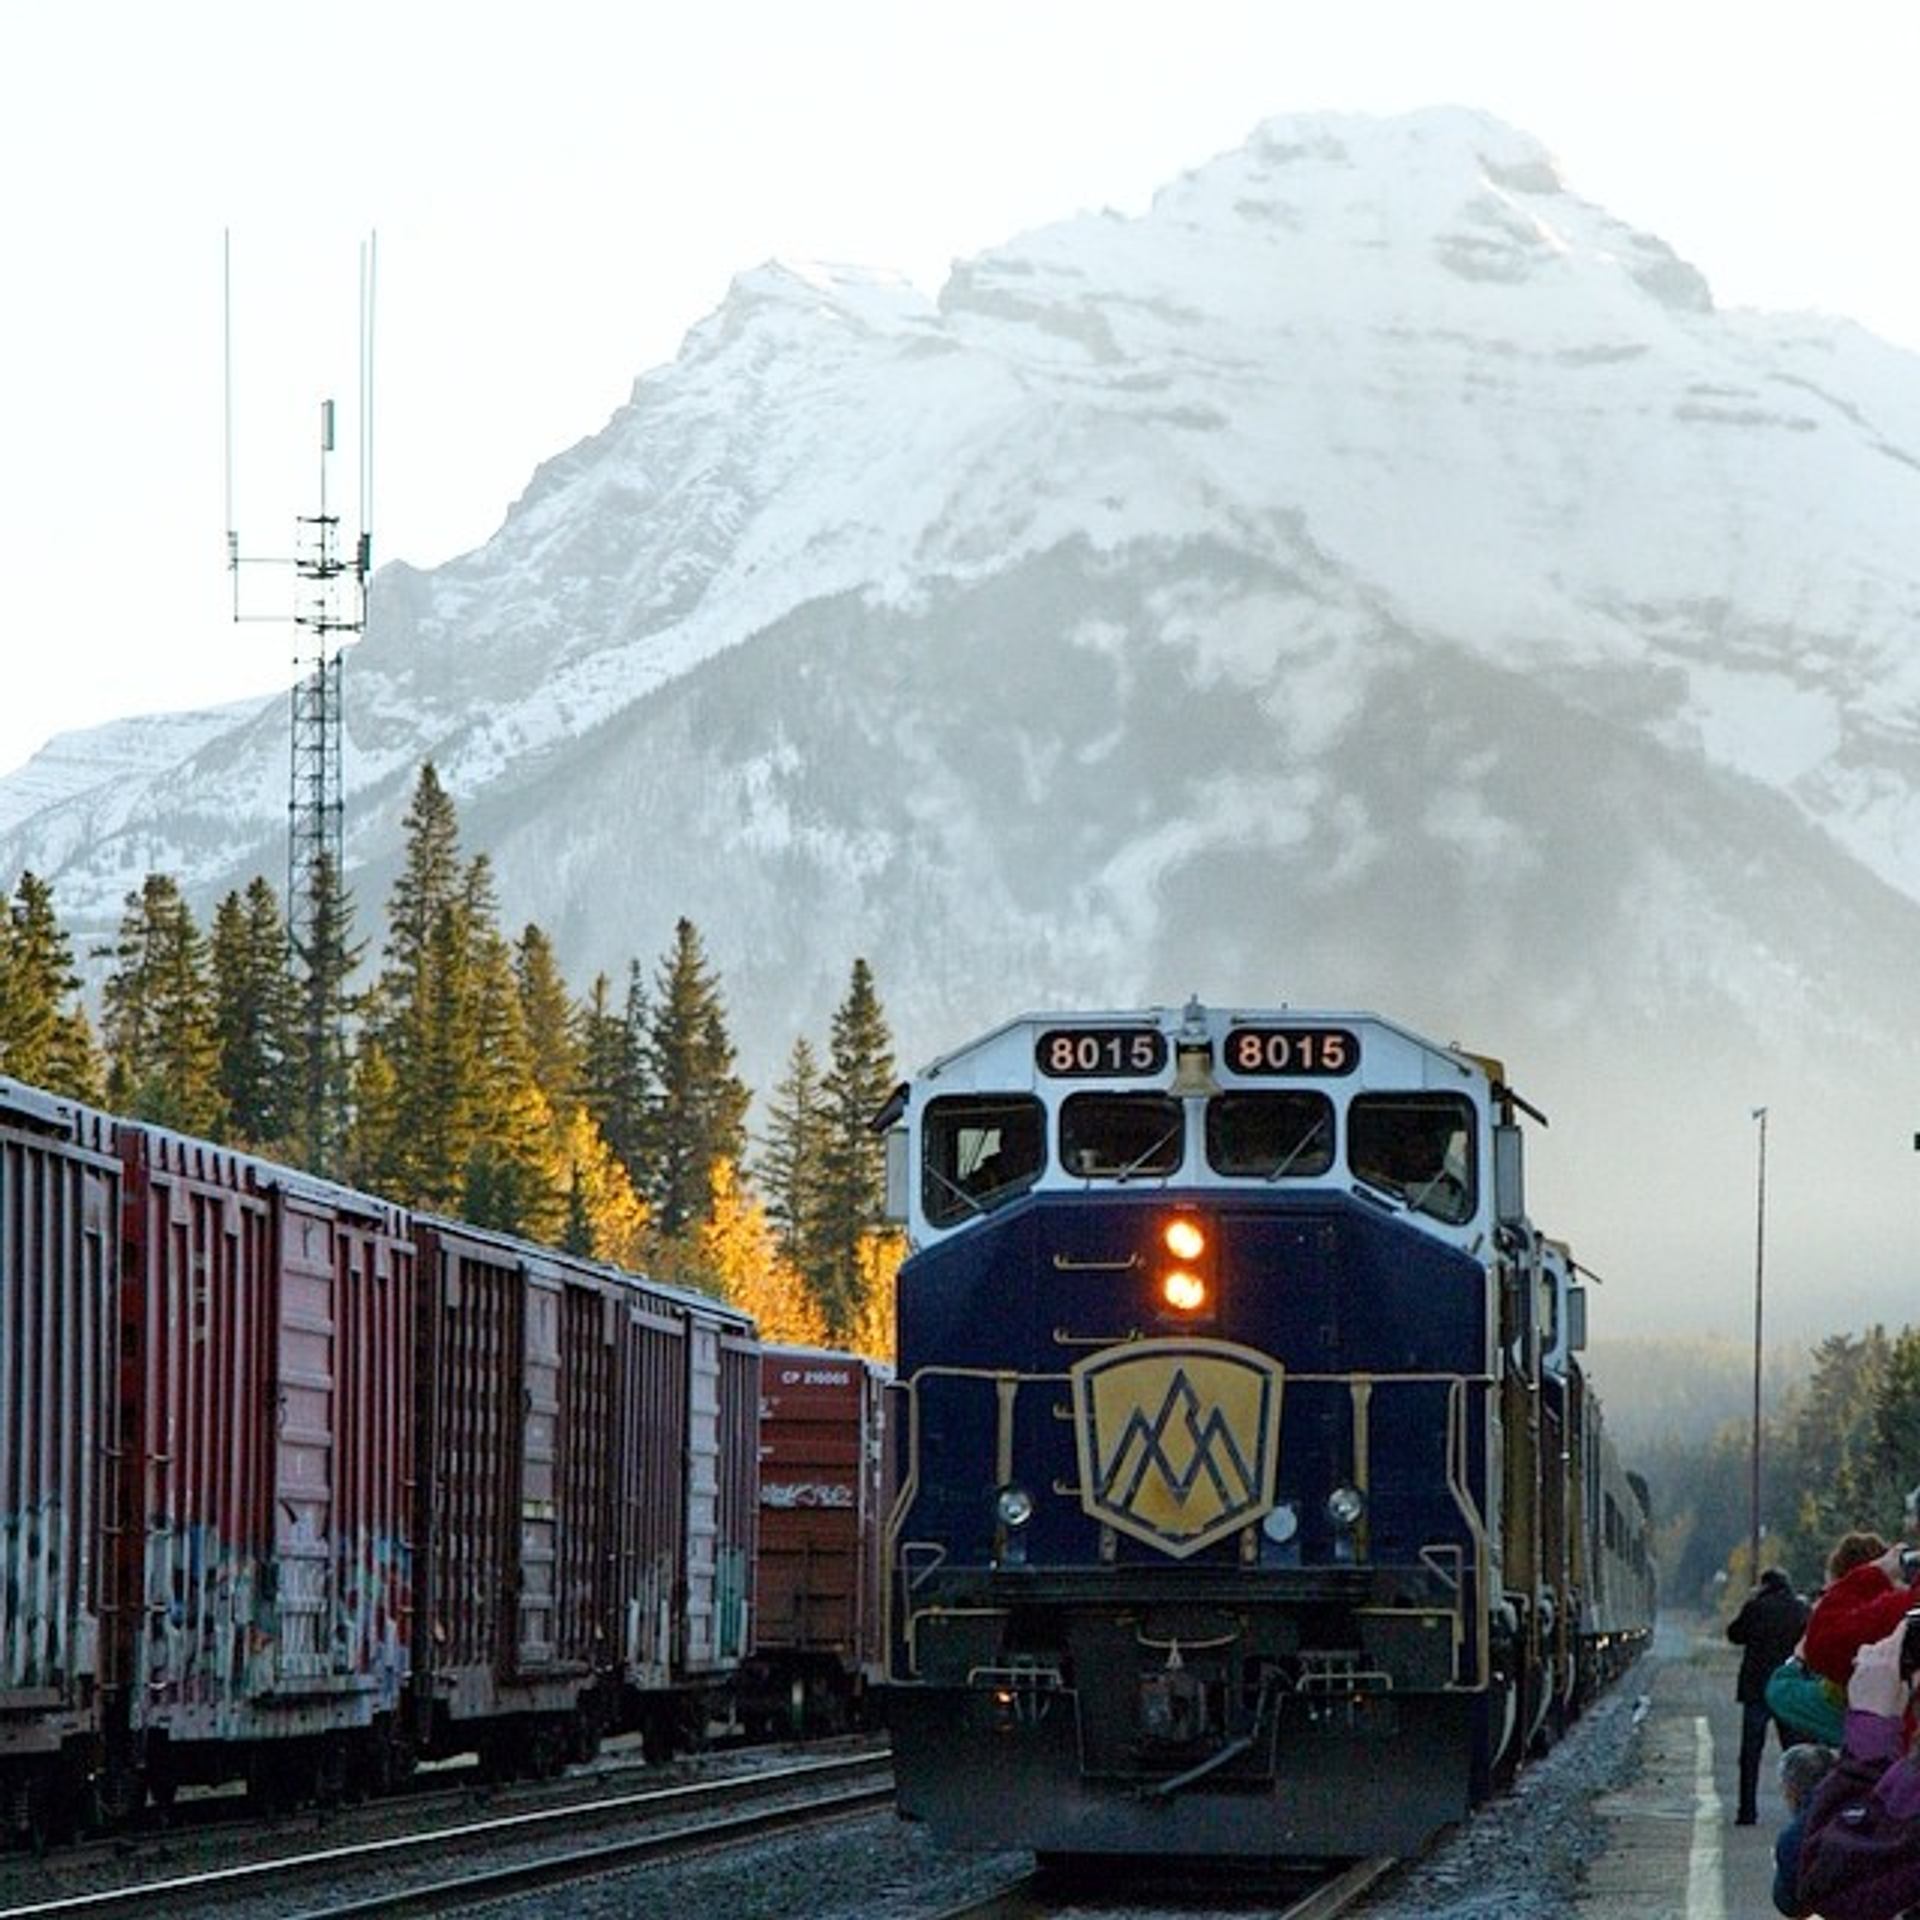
(1300, 1146)
(1379, 1189)
(959, 1192)
(1134, 1165)
(1418, 1199)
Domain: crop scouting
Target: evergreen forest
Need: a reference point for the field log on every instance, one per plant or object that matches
(466, 1078)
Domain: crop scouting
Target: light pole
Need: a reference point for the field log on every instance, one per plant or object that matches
(1759, 1289)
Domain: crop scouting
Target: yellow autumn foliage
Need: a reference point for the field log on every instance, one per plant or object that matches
(873, 1332)
(739, 1254)
(616, 1215)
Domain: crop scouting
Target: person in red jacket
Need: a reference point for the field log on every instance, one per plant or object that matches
(1859, 1608)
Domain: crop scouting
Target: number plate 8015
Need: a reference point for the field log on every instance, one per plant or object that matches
(1286, 1051)
(1096, 1053)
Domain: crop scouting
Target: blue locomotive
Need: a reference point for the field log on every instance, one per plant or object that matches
(1252, 1500)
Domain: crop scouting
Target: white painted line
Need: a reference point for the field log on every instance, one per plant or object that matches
(1706, 1897)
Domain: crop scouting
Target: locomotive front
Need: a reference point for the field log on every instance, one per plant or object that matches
(1199, 1542)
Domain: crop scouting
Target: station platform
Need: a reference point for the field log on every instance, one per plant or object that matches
(1669, 1845)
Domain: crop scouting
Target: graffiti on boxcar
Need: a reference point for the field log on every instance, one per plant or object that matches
(37, 1605)
(370, 1629)
(805, 1493)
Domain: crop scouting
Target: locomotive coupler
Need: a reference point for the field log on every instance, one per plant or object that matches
(1173, 1703)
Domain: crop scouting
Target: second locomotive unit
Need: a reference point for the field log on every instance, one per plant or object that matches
(1252, 1500)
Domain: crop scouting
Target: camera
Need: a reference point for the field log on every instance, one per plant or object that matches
(1910, 1561)
(1910, 1645)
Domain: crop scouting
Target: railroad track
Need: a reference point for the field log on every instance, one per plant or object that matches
(525, 1851)
(1321, 1894)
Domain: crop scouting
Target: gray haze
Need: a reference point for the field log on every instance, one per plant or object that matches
(1376, 577)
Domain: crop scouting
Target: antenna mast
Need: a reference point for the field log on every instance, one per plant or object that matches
(331, 572)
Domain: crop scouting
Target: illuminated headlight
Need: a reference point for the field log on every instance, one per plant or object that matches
(1014, 1507)
(1345, 1505)
(1282, 1523)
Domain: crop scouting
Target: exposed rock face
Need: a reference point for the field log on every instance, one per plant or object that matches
(1375, 575)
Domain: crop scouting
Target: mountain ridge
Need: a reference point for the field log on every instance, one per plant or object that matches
(1372, 574)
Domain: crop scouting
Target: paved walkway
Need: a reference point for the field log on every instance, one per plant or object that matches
(1672, 1851)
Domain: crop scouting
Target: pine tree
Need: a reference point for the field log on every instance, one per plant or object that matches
(552, 1029)
(510, 1179)
(852, 1171)
(255, 1017)
(319, 1120)
(612, 1053)
(44, 1034)
(415, 1126)
(1892, 1465)
(158, 1022)
(788, 1172)
(1825, 1449)
(437, 1060)
(431, 880)
(697, 1112)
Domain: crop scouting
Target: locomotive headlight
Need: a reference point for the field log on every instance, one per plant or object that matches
(1186, 1270)
(1345, 1505)
(1184, 1290)
(1183, 1238)
(1014, 1507)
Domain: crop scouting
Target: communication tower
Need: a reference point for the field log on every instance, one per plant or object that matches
(331, 567)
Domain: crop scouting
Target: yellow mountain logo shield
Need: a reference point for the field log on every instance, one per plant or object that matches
(1179, 1439)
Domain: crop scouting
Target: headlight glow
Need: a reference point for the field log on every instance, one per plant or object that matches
(1183, 1290)
(1184, 1240)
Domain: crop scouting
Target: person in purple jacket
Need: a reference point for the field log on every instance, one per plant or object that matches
(1860, 1852)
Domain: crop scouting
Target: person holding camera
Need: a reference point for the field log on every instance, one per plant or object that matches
(1859, 1854)
(1860, 1607)
(1767, 1629)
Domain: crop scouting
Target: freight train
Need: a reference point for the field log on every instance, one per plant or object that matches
(299, 1487)
(1253, 1499)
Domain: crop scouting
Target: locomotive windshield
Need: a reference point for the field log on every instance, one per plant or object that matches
(980, 1151)
(1418, 1147)
(1121, 1136)
(1270, 1136)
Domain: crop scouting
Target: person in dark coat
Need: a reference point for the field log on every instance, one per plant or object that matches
(1766, 1629)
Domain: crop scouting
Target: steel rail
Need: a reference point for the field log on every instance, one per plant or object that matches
(591, 1863)
(1026, 1897)
(179, 1892)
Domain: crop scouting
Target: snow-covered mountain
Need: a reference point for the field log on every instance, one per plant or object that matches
(1375, 575)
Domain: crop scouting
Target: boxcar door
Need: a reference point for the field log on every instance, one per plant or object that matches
(536, 1574)
(371, 1629)
(650, 1517)
(202, 1308)
(699, 1580)
(304, 1446)
(59, 1283)
(586, 1468)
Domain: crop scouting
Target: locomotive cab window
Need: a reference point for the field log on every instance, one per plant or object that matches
(1418, 1148)
(980, 1150)
(1270, 1136)
(1121, 1136)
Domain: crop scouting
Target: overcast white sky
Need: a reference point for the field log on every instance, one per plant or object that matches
(562, 189)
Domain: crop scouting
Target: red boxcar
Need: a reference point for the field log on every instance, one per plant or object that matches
(820, 1641)
(299, 1484)
(59, 1331)
(585, 1559)
(264, 1592)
